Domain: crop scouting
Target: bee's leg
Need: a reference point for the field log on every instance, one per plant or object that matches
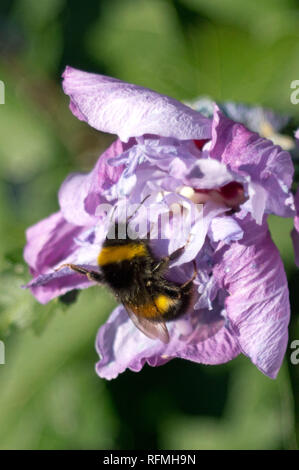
(163, 263)
(91, 275)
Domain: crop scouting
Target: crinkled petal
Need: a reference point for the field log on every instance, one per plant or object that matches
(295, 231)
(44, 279)
(258, 305)
(54, 284)
(122, 346)
(208, 173)
(256, 202)
(247, 153)
(50, 243)
(225, 229)
(194, 240)
(128, 110)
(80, 194)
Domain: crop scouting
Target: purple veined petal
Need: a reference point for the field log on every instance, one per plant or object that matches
(49, 241)
(295, 231)
(122, 346)
(53, 283)
(56, 287)
(152, 164)
(149, 181)
(128, 110)
(258, 307)
(295, 241)
(141, 170)
(247, 154)
(80, 194)
(44, 279)
(174, 165)
(72, 194)
(225, 229)
(46, 287)
(163, 152)
(207, 293)
(133, 158)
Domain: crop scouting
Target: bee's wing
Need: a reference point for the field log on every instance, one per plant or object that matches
(151, 329)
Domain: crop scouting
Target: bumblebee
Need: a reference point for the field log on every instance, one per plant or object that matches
(137, 279)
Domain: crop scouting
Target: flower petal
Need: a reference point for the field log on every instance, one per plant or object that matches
(258, 305)
(80, 194)
(46, 287)
(52, 242)
(128, 110)
(226, 229)
(49, 241)
(295, 231)
(121, 345)
(208, 173)
(194, 240)
(248, 154)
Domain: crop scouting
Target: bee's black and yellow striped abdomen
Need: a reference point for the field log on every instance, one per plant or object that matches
(158, 307)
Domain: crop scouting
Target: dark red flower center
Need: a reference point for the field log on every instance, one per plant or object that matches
(200, 143)
(231, 190)
(231, 194)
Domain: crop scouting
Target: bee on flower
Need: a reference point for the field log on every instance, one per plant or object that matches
(207, 293)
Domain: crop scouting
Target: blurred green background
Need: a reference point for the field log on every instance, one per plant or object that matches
(50, 396)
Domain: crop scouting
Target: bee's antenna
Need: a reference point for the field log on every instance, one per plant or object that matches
(137, 209)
